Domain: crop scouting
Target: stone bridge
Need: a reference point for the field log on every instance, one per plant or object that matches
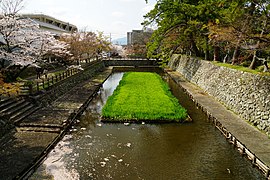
(131, 62)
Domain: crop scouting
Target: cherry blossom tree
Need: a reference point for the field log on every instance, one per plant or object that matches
(23, 43)
(47, 46)
(86, 45)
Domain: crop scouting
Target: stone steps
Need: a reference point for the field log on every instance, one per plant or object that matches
(6, 103)
(19, 108)
(38, 129)
(21, 125)
(14, 110)
(18, 117)
(11, 107)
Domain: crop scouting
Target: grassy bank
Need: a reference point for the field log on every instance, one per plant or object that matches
(244, 69)
(143, 96)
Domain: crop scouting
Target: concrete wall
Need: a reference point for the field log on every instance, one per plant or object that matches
(62, 87)
(244, 93)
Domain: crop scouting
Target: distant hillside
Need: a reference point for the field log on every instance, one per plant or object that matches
(120, 41)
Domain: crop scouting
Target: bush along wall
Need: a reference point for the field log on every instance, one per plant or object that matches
(244, 93)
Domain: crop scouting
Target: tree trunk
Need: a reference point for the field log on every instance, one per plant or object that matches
(252, 65)
(20, 72)
(225, 58)
(207, 53)
(2, 63)
(23, 69)
(235, 54)
(253, 62)
(216, 53)
(266, 68)
(194, 48)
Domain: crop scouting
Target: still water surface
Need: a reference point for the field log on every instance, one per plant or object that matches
(94, 150)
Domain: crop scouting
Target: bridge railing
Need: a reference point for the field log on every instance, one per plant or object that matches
(129, 59)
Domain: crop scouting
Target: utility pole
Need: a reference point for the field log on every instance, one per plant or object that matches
(110, 43)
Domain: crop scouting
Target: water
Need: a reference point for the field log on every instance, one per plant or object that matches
(93, 150)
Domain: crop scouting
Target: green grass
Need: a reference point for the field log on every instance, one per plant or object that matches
(242, 68)
(143, 96)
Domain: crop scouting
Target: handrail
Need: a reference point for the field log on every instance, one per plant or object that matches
(127, 59)
(43, 84)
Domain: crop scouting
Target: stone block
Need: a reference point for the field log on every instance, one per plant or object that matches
(248, 95)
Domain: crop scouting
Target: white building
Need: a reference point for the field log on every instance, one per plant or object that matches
(51, 24)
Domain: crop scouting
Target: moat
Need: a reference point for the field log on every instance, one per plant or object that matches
(95, 150)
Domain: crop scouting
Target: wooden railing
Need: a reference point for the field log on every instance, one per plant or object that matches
(32, 87)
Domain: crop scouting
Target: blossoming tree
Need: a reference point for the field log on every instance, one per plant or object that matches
(23, 43)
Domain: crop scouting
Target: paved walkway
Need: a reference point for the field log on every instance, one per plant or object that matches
(252, 138)
(35, 135)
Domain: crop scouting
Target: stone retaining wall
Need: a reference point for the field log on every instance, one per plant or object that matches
(244, 93)
(62, 87)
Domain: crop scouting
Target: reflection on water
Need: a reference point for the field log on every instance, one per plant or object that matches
(107, 89)
(94, 150)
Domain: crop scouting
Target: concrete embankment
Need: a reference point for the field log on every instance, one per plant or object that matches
(24, 148)
(252, 143)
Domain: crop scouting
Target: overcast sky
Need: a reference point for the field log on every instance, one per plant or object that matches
(110, 16)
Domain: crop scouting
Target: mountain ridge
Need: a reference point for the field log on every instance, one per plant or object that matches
(120, 41)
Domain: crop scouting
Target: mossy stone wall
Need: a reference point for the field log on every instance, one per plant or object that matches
(244, 93)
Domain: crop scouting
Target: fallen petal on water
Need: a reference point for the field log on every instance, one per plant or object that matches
(128, 144)
(99, 124)
(102, 164)
(119, 145)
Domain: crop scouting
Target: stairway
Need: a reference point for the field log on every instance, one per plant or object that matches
(13, 110)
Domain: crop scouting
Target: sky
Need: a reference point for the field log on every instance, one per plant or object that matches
(115, 17)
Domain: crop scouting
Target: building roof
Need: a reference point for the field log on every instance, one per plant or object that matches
(51, 24)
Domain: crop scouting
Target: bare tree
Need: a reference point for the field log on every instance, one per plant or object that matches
(11, 7)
